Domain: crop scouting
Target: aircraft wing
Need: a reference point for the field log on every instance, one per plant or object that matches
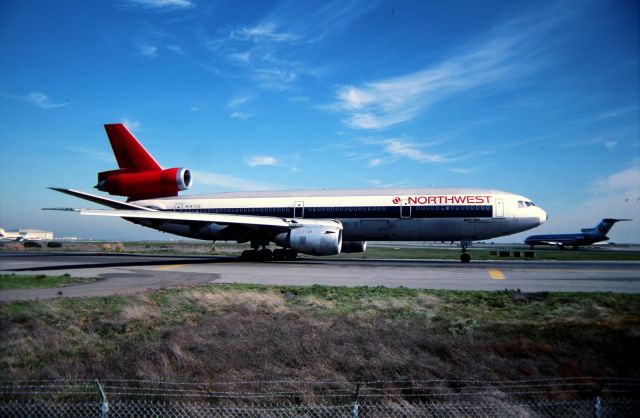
(217, 218)
(130, 211)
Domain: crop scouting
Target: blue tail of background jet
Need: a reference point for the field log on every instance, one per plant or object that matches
(603, 227)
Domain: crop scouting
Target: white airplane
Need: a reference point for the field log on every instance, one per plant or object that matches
(313, 222)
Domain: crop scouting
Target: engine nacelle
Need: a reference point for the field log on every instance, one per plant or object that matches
(354, 246)
(317, 239)
(144, 184)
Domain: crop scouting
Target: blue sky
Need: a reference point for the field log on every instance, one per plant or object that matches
(536, 98)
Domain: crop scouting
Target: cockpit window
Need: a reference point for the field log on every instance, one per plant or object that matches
(529, 204)
(521, 204)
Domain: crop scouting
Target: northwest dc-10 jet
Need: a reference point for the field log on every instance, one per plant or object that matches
(314, 222)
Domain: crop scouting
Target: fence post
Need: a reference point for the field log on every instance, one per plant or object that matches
(597, 406)
(355, 406)
(104, 405)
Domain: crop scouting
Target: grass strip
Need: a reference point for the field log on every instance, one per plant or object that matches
(12, 281)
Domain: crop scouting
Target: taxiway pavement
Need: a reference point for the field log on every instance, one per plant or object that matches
(126, 273)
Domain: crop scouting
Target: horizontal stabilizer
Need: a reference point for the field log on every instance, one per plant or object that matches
(110, 203)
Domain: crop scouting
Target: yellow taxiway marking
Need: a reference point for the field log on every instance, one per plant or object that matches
(171, 267)
(496, 274)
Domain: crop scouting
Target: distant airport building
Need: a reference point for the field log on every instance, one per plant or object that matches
(25, 235)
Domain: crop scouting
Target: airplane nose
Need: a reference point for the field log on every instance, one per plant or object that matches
(544, 217)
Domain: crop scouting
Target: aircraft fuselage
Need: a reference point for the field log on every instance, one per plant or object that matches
(366, 215)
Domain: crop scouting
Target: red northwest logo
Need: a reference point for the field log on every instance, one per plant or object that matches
(396, 200)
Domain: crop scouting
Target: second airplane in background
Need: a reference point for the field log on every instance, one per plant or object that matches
(314, 222)
(587, 236)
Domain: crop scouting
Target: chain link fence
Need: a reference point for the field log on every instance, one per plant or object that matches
(577, 397)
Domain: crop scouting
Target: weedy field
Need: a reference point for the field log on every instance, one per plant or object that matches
(246, 332)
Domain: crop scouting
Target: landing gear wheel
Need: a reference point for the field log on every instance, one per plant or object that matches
(279, 254)
(290, 255)
(265, 254)
(247, 255)
(465, 257)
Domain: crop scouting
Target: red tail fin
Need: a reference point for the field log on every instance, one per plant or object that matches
(139, 176)
(128, 151)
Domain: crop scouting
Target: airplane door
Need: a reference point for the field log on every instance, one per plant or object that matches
(405, 210)
(298, 210)
(499, 208)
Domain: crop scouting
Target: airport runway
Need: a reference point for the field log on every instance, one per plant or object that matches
(123, 274)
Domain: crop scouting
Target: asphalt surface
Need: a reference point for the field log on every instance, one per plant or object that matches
(126, 274)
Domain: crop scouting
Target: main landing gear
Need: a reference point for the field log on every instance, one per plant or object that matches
(465, 257)
(266, 254)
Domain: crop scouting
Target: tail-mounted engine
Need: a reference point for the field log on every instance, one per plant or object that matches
(144, 184)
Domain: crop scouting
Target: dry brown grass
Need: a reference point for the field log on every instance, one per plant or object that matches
(221, 334)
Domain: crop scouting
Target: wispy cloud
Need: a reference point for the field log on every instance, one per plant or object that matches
(162, 4)
(240, 115)
(267, 31)
(511, 51)
(132, 125)
(147, 50)
(43, 101)
(176, 49)
(99, 155)
(460, 170)
(610, 144)
(258, 160)
(236, 103)
(36, 98)
(625, 181)
(402, 149)
(230, 182)
(264, 50)
(614, 113)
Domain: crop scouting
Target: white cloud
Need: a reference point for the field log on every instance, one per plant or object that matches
(176, 48)
(611, 144)
(163, 4)
(262, 50)
(230, 182)
(36, 98)
(257, 160)
(512, 50)
(132, 125)
(614, 113)
(99, 155)
(625, 182)
(240, 115)
(43, 101)
(239, 101)
(354, 98)
(400, 148)
(375, 162)
(243, 57)
(460, 170)
(148, 51)
(262, 31)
